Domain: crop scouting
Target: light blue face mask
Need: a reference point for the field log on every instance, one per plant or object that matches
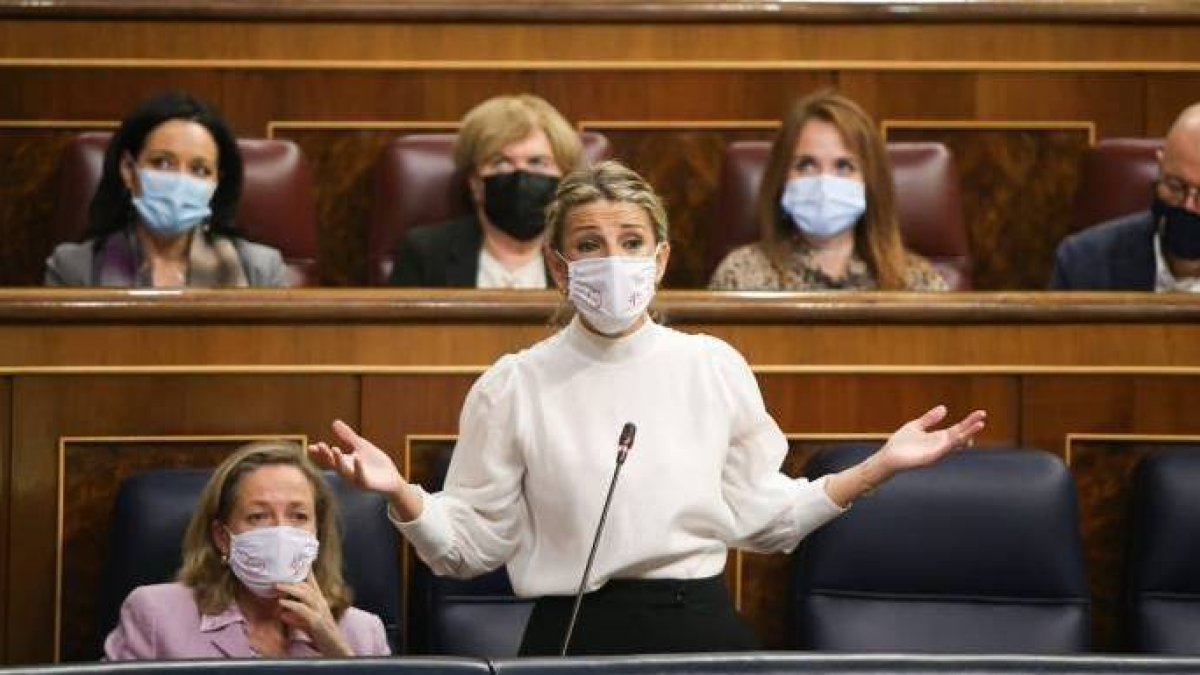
(173, 203)
(824, 206)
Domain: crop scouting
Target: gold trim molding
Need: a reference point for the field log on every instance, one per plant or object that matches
(741, 65)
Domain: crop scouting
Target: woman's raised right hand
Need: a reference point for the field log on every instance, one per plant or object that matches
(362, 463)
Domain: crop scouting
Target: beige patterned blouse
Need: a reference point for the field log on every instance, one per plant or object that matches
(748, 269)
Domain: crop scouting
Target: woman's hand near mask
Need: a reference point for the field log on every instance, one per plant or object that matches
(303, 606)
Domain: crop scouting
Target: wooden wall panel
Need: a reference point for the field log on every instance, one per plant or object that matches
(1104, 471)
(48, 408)
(1018, 186)
(29, 161)
(1102, 425)
(914, 39)
(1166, 96)
(344, 162)
(5, 499)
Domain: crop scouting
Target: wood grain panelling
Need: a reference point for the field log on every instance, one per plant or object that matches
(343, 163)
(1166, 97)
(1055, 406)
(669, 95)
(1002, 96)
(5, 499)
(47, 408)
(1137, 408)
(87, 520)
(856, 403)
(396, 407)
(1018, 186)
(29, 188)
(683, 165)
(1103, 472)
(909, 40)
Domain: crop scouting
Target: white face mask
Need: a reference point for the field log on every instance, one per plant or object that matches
(824, 206)
(266, 556)
(612, 292)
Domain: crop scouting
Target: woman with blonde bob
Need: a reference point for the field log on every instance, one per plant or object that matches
(512, 150)
(826, 210)
(538, 437)
(261, 573)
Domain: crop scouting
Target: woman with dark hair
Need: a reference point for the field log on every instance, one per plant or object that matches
(826, 210)
(171, 171)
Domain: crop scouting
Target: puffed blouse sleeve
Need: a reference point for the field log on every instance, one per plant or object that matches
(771, 512)
(472, 526)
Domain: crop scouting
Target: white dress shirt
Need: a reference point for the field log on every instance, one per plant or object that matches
(537, 448)
(1164, 281)
(493, 274)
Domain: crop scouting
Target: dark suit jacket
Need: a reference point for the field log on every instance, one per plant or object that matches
(441, 256)
(1117, 255)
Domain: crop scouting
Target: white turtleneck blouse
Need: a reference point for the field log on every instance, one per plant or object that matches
(537, 447)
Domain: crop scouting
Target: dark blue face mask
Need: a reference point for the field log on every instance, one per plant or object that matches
(1179, 229)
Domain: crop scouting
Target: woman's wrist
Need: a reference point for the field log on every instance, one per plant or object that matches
(872, 472)
(406, 502)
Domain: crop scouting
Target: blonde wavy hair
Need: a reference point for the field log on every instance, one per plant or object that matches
(204, 570)
(503, 120)
(609, 181)
(877, 234)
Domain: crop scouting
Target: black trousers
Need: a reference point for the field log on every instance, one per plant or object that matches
(645, 616)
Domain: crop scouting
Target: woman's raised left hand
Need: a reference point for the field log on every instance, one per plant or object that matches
(918, 443)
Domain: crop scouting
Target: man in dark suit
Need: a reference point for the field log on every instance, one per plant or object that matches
(513, 150)
(1158, 250)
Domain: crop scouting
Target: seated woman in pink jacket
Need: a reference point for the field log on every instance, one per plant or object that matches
(261, 574)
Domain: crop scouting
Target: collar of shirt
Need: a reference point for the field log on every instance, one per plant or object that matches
(233, 614)
(493, 274)
(1164, 281)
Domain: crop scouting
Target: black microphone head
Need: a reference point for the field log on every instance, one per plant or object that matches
(627, 433)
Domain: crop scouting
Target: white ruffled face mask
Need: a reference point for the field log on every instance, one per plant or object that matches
(824, 206)
(263, 557)
(611, 293)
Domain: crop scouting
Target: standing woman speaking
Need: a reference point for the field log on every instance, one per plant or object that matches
(537, 436)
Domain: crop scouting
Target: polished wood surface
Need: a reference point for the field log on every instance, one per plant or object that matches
(616, 10)
(96, 384)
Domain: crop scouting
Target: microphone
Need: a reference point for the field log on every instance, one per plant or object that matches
(624, 444)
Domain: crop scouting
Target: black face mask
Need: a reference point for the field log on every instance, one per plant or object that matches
(516, 202)
(1179, 229)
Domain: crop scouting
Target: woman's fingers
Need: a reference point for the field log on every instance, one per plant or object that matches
(963, 433)
(932, 417)
(346, 434)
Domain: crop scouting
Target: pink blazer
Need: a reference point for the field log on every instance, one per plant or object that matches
(162, 622)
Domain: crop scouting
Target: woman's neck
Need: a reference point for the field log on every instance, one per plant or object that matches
(510, 252)
(832, 254)
(258, 611)
(633, 327)
(155, 247)
(167, 258)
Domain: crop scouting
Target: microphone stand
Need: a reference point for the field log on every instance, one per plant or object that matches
(587, 570)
